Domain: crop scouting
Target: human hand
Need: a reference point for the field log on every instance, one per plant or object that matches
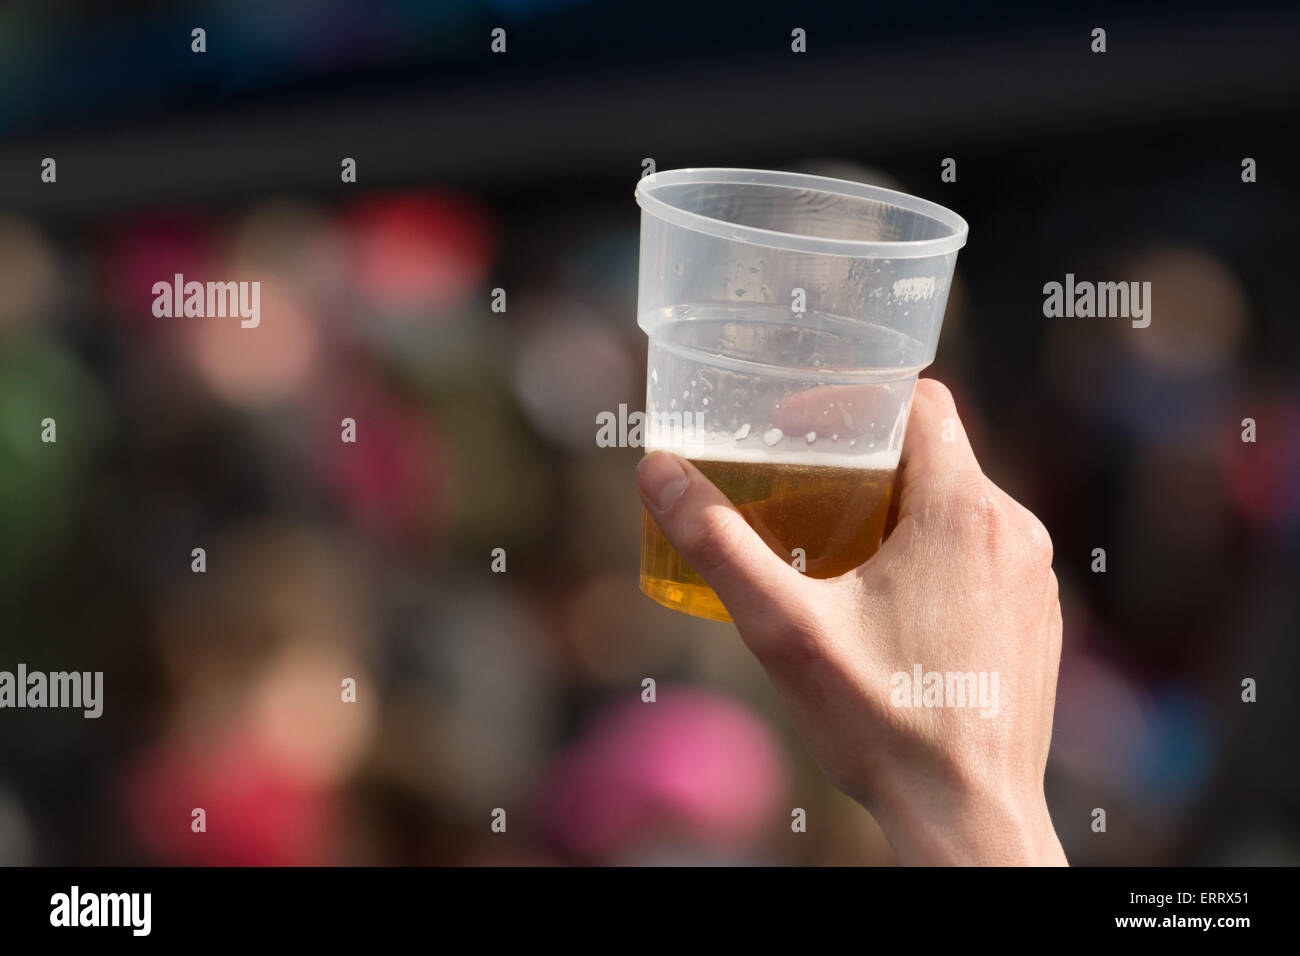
(962, 584)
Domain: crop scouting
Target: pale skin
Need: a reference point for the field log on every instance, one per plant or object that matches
(963, 582)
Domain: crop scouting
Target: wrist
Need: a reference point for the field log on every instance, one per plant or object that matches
(971, 825)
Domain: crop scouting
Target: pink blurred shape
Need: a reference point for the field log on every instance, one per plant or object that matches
(395, 478)
(1100, 729)
(255, 366)
(420, 249)
(1264, 477)
(257, 812)
(154, 250)
(693, 765)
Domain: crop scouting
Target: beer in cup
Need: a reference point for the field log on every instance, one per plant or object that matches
(789, 317)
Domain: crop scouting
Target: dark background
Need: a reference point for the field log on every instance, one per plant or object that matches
(476, 430)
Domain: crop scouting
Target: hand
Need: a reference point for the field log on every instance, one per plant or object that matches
(963, 583)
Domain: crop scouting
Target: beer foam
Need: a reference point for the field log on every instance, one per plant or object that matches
(875, 460)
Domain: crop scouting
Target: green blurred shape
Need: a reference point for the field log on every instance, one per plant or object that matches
(42, 484)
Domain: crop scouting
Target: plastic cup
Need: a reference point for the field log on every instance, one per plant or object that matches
(789, 317)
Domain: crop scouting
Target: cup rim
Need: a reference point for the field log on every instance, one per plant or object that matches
(795, 242)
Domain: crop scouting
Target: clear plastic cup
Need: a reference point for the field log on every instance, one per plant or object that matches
(789, 317)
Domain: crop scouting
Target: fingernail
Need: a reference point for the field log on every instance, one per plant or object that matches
(661, 480)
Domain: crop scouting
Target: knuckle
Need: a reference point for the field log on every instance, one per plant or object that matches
(979, 513)
(1038, 541)
(798, 643)
(935, 391)
(988, 515)
(709, 543)
(792, 630)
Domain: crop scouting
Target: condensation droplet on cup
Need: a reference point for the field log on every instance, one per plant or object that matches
(810, 437)
(704, 401)
(743, 432)
(835, 438)
(853, 443)
(772, 436)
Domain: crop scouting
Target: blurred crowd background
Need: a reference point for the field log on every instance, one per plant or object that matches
(476, 429)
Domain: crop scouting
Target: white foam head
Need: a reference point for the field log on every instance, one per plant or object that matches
(878, 459)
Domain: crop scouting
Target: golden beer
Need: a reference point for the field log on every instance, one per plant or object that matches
(835, 514)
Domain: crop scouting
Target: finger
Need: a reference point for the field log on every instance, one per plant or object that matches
(754, 584)
(847, 412)
(937, 460)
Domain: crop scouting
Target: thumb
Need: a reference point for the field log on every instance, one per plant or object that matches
(754, 584)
